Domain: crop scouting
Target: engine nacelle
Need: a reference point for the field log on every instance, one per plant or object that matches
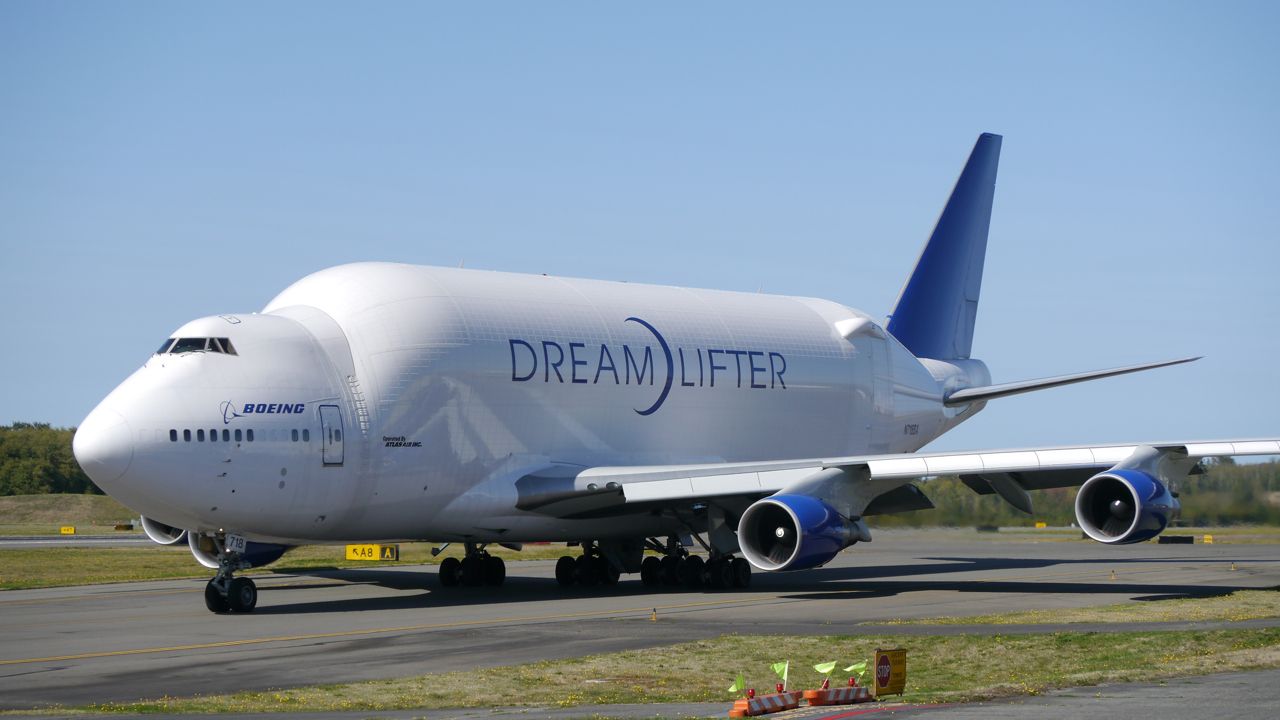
(256, 554)
(161, 533)
(1120, 507)
(793, 532)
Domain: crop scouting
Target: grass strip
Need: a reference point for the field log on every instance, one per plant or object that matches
(25, 568)
(940, 669)
(1235, 607)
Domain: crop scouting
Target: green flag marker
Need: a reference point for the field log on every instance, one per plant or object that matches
(782, 668)
(826, 667)
(738, 685)
(859, 668)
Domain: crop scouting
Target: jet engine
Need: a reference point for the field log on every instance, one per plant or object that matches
(1120, 507)
(161, 533)
(256, 554)
(794, 532)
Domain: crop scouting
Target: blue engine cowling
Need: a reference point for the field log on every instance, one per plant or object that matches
(792, 532)
(1119, 507)
(256, 554)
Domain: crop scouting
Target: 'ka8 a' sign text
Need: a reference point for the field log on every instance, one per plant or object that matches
(373, 552)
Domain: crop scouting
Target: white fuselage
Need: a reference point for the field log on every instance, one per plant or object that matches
(401, 402)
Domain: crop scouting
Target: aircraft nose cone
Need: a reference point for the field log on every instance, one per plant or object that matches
(103, 445)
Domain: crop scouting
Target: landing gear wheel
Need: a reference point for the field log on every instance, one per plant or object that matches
(691, 571)
(242, 595)
(473, 571)
(214, 600)
(670, 570)
(450, 571)
(495, 570)
(741, 573)
(717, 574)
(605, 571)
(585, 571)
(565, 570)
(651, 571)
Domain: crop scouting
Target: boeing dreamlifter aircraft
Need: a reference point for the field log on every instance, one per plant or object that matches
(380, 401)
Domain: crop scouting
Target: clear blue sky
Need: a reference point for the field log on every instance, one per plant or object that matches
(164, 161)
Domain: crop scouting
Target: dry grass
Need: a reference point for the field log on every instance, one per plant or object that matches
(1241, 605)
(941, 669)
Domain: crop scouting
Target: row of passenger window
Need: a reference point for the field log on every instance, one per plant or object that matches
(241, 435)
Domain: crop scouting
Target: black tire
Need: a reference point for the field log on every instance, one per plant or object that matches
(717, 574)
(670, 570)
(214, 600)
(450, 571)
(741, 573)
(651, 571)
(565, 570)
(473, 571)
(242, 595)
(606, 573)
(585, 571)
(495, 571)
(691, 571)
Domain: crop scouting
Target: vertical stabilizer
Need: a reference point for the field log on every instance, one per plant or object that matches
(935, 314)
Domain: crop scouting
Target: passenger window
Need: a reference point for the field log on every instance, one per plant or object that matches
(173, 436)
(164, 347)
(306, 435)
(249, 434)
(295, 436)
(239, 436)
(200, 436)
(226, 436)
(186, 436)
(213, 436)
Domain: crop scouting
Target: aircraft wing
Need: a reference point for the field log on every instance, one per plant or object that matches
(578, 492)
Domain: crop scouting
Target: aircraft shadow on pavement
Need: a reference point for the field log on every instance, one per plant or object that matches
(828, 583)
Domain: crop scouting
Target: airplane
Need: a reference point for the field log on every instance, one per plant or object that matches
(391, 402)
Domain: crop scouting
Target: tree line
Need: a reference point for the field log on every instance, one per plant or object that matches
(36, 458)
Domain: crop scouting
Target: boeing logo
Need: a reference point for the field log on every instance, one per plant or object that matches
(229, 413)
(582, 363)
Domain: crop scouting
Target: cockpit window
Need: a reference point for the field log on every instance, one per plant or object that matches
(174, 346)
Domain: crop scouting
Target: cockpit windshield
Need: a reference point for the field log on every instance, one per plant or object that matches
(173, 346)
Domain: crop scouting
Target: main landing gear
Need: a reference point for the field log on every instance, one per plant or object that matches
(677, 567)
(589, 569)
(226, 593)
(476, 568)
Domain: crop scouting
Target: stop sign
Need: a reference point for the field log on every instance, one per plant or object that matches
(882, 671)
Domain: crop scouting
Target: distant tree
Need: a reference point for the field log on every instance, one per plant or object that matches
(37, 458)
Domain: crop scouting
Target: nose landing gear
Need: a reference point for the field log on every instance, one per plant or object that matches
(225, 593)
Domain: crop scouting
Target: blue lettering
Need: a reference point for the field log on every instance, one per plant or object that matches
(248, 409)
(711, 360)
(737, 360)
(699, 367)
(271, 408)
(532, 356)
(683, 383)
(548, 366)
(630, 362)
(261, 408)
(299, 407)
(605, 355)
(574, 362)
(776, 373)
(751, 358)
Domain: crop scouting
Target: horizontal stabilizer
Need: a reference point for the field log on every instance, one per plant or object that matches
(988, 392)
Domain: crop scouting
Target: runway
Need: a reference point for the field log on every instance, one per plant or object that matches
(139, 640)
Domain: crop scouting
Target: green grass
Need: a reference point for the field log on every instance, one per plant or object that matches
(45, 514)
(26, 568)
(940, 669)
(1238, 606)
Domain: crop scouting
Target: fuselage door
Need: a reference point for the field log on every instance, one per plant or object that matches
(331, 434)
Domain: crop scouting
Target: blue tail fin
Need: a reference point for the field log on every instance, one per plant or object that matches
(935, 314)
